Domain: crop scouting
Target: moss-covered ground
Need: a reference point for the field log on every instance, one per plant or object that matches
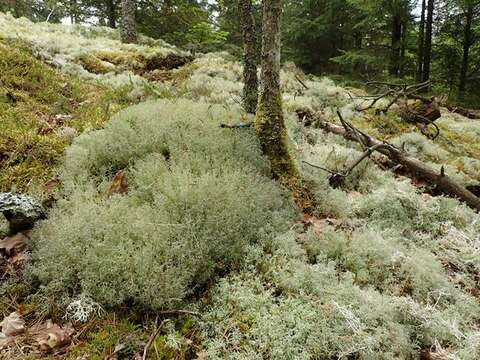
(41, 109)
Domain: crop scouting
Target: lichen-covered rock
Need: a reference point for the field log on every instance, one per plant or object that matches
(21, 211)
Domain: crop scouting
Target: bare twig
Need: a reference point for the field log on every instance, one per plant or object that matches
(50, 14)
(152, 338)
(172, 312)
(236, 126)
(319, 167)
(301, 82)
(396, 91)
(375, 99)
(337, 178)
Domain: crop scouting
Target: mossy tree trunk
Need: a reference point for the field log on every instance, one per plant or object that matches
(250, 88)
(269, 121)
(129, 29)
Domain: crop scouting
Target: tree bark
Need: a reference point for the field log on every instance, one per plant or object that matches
(250, 88)
(111, 14)
(428, 41)
(421, 43)
(128, 30)
(403, 47)
(467, 42)
(395, 45)
(269, 122)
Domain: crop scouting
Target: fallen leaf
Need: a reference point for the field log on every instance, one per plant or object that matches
(51, 185)
(119, 183)
(12, 325)
(50, 336)
(16, 242)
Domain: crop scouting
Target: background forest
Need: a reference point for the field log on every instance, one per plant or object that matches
(356, 39)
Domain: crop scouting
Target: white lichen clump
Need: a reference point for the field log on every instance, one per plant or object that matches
(63, 45)
(82, 309)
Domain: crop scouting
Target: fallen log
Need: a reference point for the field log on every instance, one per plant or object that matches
(416, 168)
(411, 107)
(468, 113)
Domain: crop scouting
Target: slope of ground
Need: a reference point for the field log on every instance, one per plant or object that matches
(199, 231)
(97, 53)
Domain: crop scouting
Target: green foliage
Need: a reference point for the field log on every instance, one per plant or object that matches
(204, 37)
(105, 335)
(197, 197)
(359, 59)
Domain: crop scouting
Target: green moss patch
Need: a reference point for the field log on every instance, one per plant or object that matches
(40, 111)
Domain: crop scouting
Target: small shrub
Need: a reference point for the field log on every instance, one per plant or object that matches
(418, 146)
(198, 196)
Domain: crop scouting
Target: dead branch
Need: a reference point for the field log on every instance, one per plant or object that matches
(301, 82)
(236, 126)
(177, 312)
(375, 99)
(336, 179)
(416, 168)
(423, 111)
(152, 338)
(397, 91)
(319, 167)
(468, 113)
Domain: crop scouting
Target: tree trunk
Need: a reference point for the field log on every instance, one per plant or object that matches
(428, 41)
(467, 42)
(395, 47)
(111, 14)
(129, 30)
(421, 44)
(250, 88)
(269, 122)
(403, 49)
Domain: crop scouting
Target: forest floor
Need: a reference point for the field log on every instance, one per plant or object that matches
(385, 268)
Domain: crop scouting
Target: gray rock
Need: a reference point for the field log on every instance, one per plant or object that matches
(20, 211)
